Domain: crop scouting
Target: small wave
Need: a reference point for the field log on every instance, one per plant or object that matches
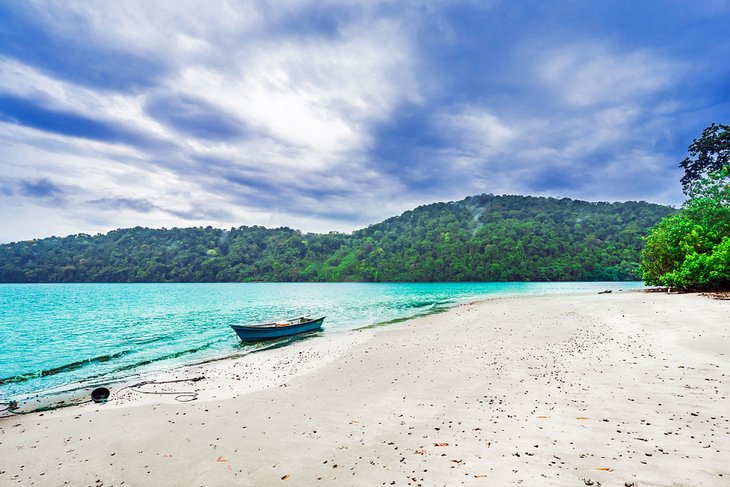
(434, 310)
(169, 356)
(421, 304)
(63, 368)
(153, 339)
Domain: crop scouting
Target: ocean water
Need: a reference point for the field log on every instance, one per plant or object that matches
(56, 336)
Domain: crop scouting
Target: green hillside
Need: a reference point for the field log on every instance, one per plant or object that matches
(481, 238)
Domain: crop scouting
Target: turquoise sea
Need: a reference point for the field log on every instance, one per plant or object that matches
(60, 336)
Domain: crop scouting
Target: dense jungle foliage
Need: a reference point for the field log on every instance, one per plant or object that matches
(691, 249)
(481, 238)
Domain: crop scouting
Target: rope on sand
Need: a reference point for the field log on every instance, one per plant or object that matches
(13, 408)
(180, 396)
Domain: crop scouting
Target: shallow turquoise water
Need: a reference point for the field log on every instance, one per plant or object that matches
(55, 335)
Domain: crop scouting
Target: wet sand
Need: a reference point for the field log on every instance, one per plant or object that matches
(614, 389)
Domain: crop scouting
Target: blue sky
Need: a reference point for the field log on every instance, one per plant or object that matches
(332, 115)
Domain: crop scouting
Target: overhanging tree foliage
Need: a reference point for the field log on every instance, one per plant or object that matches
(709, 153)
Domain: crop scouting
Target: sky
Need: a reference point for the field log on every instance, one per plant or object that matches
(331, 115)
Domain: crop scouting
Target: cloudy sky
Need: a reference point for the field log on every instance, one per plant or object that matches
(331, 115)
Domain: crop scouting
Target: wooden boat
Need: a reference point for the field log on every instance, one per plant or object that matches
(267, 331)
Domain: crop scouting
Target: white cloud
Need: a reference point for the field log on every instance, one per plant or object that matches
(480, 132)
(319, 96)
(592, 75)
(116, 108)
(308, 105)
(173, 31)
(591, 135)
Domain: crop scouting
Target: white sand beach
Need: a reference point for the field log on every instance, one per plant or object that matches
(616, 389)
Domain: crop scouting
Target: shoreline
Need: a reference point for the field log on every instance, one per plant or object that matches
(74, 394)
(277, 364)
(548, 390)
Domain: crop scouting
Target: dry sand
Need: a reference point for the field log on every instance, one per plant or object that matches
(614, 389)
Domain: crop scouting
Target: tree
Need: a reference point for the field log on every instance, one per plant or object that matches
(483, 237)
(709, 153)
(691, 249)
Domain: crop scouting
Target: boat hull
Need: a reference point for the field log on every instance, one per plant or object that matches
(267, 332)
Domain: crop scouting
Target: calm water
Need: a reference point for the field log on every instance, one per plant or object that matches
(57, 335)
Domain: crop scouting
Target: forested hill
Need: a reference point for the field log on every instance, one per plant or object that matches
(481, 238)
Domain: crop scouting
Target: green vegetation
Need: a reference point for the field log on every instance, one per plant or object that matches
(708, 154)
(691, 249)
(481, 238)
(508, 238)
